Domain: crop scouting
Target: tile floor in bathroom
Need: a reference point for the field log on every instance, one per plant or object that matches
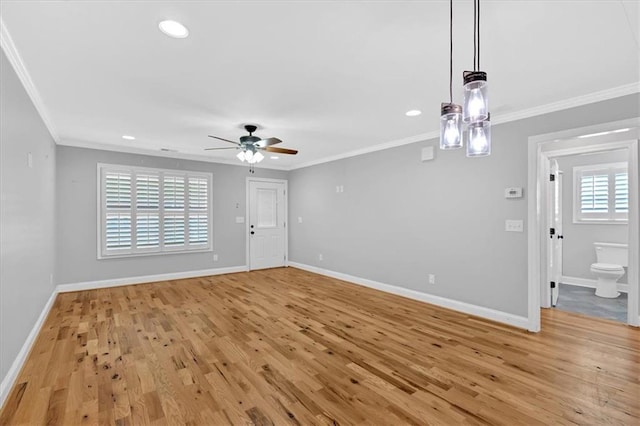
(583, 300)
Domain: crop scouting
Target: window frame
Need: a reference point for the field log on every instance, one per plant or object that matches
(162, 249)
(611, 217)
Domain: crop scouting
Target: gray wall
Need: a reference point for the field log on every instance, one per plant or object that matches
(399, 219)
(577, 246)
(27, 215)
(77, 217)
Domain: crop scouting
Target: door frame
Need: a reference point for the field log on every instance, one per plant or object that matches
(247, 217)
(541, 149)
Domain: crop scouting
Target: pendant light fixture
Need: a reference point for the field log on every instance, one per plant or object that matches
(476, 96)
(450, 113)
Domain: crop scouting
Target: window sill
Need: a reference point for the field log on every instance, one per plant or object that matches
(154, 253)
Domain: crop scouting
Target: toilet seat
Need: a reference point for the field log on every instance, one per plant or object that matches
(607, 267)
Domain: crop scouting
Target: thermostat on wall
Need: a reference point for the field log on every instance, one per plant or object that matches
(513, 193)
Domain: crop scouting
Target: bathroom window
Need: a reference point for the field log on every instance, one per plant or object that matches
(152, 211)
(601, 193)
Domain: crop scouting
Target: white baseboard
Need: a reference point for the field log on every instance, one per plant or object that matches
(583, 282)
(18, 362)
(499, 316)
(117, 282)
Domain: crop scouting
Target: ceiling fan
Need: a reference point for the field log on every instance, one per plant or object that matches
(251, 146)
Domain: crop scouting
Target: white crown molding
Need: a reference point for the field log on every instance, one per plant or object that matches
(467, 308)
(9, 48)
(603, 95)
(158, 153)
(391, 144)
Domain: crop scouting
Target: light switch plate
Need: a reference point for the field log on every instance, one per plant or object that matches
(239, 219)
(511, 225)
(515, 192)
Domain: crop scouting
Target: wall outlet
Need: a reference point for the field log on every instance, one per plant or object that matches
(320, 258)
(215, 257)
(30, 160)
(299, 219)
(432, 279)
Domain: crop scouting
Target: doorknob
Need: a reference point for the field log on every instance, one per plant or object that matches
(252, 232)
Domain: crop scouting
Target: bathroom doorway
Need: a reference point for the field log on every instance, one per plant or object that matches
(545, 153)
(588, 242)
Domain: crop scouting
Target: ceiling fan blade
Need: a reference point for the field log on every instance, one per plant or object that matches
(268, 142)
(212, 149)
(223, 139)
(280, 150)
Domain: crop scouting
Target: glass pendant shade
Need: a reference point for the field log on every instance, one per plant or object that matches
(450, 126)
(258, 157)
(241, 156)
(476, 97)
(479, 139)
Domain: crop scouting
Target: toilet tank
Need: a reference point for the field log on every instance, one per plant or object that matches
(615, 253)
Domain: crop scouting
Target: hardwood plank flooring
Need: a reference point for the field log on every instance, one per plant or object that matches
(285, 346)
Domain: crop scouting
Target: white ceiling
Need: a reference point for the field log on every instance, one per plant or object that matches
(328, 78)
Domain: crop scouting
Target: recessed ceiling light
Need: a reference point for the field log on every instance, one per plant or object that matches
(129, 138)
(413, 113)
(274, 157)
(173, 29)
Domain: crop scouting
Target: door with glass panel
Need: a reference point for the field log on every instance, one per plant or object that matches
(267, 224)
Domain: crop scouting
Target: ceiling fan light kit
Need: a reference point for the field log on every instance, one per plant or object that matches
(250, 147)
(475, 109)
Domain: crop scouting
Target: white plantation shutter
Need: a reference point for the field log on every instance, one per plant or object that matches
(147, 211)
(622, 192)
(198, 211)
(147, 191)
(118, 231)
(117, 188)
(601, 193)
(594, 194)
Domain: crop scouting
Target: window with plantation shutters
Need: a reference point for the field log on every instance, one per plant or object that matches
(601, 193)
(152, 211)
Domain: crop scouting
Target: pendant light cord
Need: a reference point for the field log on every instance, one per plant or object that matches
(478, 34)
(450, 51)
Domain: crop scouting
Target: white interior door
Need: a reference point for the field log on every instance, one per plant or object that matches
(555, 237)
(267, 224)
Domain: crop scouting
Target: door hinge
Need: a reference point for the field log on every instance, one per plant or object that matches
(552, 177)
(553, 284)
(285, 224)
(552, 232)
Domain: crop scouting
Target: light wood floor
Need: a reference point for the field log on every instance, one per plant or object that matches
(288, 347)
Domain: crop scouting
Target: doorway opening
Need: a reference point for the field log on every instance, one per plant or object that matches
(548, 216)
(266, 225)
(588, 233)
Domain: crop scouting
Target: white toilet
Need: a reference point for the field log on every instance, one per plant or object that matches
(611, 257)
